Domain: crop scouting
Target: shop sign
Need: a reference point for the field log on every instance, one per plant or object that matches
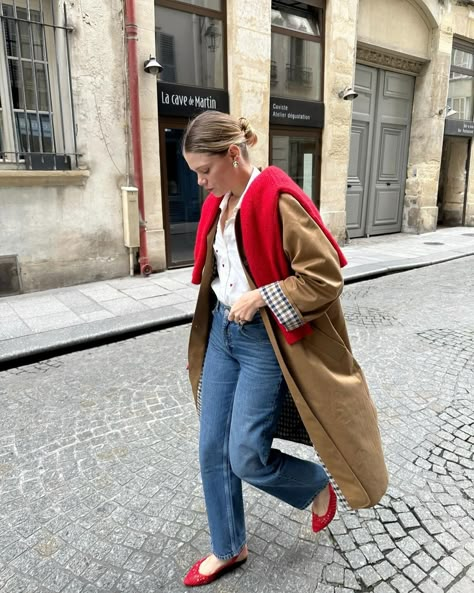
(180, 100)
(459, 127)
(293, 112)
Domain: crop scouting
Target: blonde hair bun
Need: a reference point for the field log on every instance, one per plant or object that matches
(213, 132)
(249, 133)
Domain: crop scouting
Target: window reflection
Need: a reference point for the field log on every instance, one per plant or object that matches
(294, 22)
(461, 82)
(296, 67)
(189, 47)
(34, 132)
(463, 59)
(184, 200)
(28, 79)
(296, 155)
(460, 95)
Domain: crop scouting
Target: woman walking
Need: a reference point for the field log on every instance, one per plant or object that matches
(268, 323)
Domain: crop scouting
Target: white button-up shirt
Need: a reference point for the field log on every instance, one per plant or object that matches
(231, 282)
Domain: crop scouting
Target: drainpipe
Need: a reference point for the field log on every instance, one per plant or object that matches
(131, 32)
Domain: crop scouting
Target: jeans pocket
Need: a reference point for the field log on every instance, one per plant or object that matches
(255, 331)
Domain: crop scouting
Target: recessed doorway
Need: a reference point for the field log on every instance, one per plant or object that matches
(182, 196)
(381, 119)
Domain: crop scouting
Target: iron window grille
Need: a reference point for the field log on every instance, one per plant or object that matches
(299, 75)
(37, 122)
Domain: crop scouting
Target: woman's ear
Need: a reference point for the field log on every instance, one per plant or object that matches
(234, 152)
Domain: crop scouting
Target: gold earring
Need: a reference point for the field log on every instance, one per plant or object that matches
(235, 164)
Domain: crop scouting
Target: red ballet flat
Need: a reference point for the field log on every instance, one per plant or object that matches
(195, 579)
(320, 523)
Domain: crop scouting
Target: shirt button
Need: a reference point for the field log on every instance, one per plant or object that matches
(231, 284)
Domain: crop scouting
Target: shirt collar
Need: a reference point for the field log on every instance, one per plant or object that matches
(225, 199)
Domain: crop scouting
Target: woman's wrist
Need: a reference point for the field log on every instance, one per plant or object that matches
(259, 300)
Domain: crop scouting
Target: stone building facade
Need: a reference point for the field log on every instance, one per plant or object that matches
(394, 159)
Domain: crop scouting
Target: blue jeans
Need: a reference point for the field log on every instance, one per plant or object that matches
(242, 392)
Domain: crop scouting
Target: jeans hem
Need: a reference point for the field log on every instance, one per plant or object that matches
(315, 495)
(231, 555)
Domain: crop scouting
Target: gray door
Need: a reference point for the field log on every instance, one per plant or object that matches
(378, 152)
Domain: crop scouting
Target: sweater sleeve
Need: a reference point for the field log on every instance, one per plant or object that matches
(316, 281)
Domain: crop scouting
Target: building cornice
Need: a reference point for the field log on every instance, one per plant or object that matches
(389, 60)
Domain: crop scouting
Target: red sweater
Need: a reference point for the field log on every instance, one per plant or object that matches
(262, 240)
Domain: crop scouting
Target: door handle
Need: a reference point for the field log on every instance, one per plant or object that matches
(388, 183)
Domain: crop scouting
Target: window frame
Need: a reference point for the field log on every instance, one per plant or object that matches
(321, 5)
(192, 8)
(464, 46)
(318, 5)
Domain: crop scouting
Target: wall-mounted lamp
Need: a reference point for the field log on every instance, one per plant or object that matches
(212, 35)
(348, 94)
(151, 66)
(448, 111)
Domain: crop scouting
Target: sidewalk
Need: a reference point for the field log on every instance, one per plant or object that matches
(37, 323)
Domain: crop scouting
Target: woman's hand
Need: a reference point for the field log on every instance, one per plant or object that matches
(246, 306)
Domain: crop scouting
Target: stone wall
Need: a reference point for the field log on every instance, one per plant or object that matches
(249, 51)
(340, 52)
(398, 25)
(431, 92)
(426, 139)
(150, 137)
(67, 228)
(63, 233)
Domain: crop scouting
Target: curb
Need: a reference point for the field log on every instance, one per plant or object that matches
(35, 348)
(395, 268)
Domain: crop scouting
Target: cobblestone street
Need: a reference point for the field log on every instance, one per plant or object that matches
(99, 477)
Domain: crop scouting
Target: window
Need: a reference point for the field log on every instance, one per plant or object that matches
(297, 152)
(190, 42)
(461, 81)
(296, 50)
(36, 115)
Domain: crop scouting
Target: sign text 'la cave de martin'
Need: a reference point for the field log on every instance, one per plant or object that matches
(180, 100)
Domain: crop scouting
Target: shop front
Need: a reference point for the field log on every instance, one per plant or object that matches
(190, 44)
(296, 101)
(453, 196)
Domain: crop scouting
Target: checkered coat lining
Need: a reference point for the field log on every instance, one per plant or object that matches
(290, 426)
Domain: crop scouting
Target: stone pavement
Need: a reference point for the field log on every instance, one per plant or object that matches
(99, 475)
(36, 323)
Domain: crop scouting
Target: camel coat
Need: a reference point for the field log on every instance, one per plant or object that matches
(330, 406)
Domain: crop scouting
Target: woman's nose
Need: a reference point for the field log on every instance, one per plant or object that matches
(201, 181)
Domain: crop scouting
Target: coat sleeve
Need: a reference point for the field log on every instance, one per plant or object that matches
(316, 281)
